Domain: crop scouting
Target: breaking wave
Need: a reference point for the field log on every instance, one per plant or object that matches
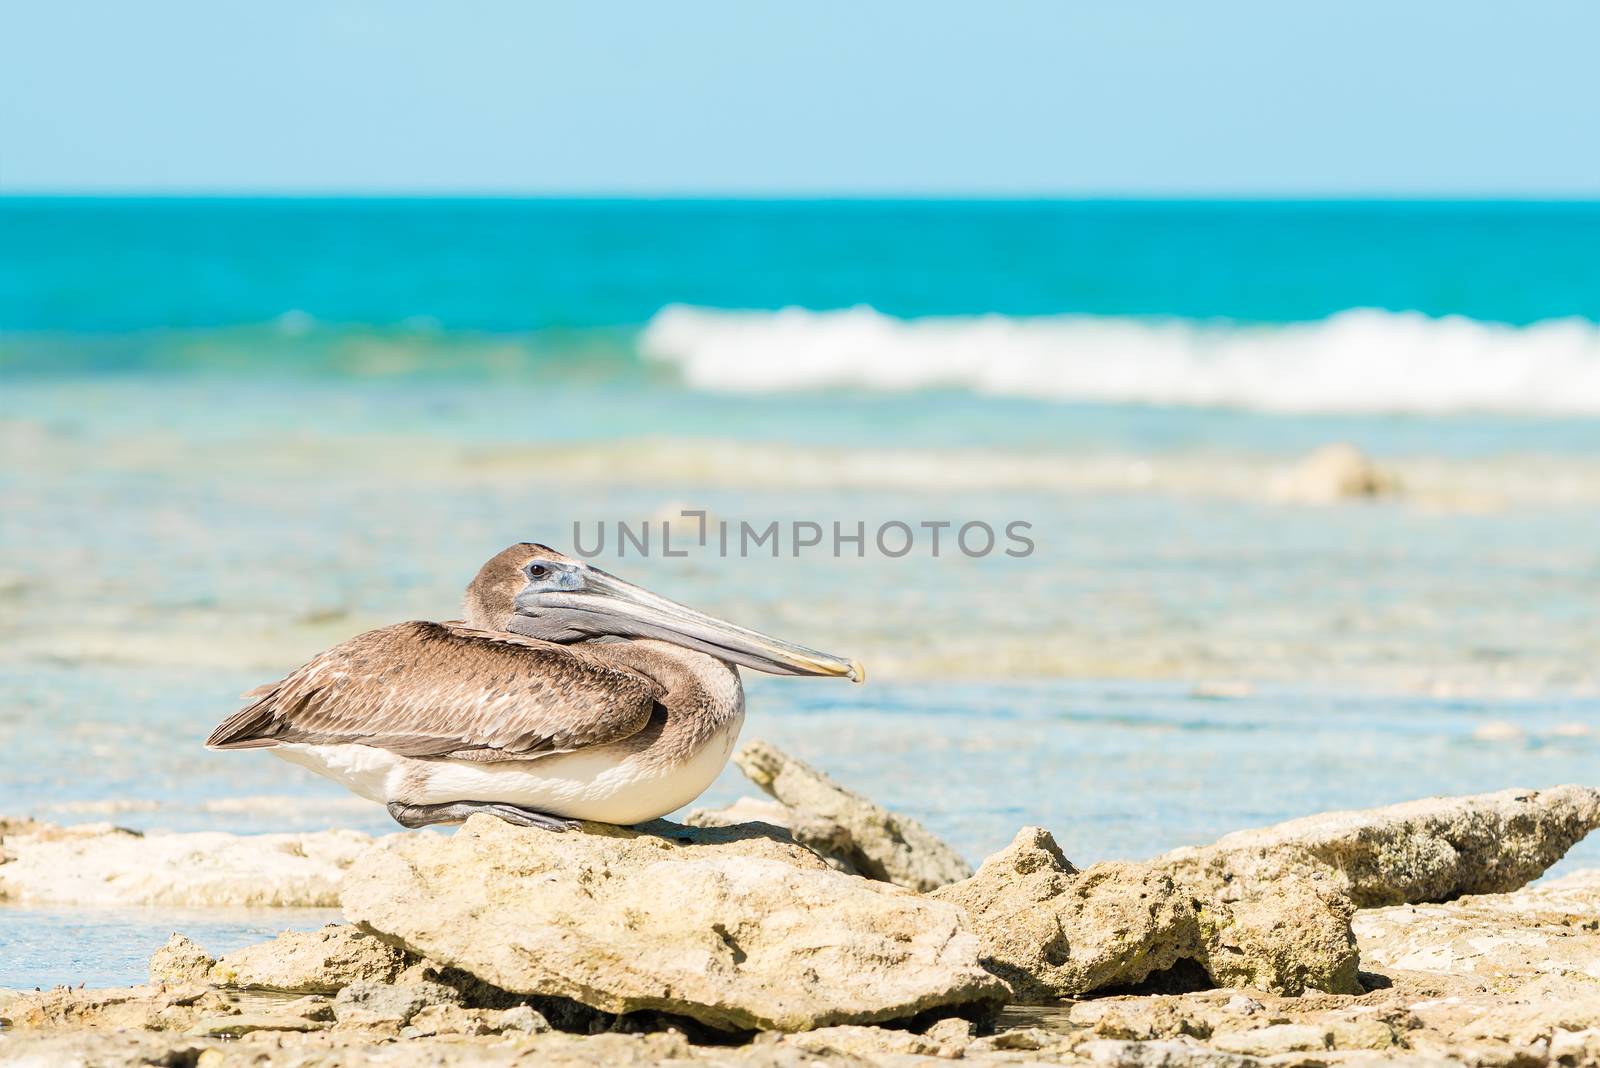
(1362, 360)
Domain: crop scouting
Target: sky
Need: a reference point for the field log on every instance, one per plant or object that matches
(1358, 98)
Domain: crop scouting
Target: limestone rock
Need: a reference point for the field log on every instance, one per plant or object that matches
(1428, 850)
(312, 962)
(854, 1040)
(1333, 473)
(729, 927)
(247, 1022)
(1545, 930)
(98, 864)
(826, 839)
(370, 1004)
(1273, 1039)
(1294, 939)
(742, 810)
(1051, 931)
(180, 961)
(1169, 1053)
(868, 838)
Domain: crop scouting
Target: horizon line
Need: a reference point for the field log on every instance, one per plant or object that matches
(707, 196)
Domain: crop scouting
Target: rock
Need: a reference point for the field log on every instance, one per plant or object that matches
(1429, 850)
(311, 962)
(1550, 929)
(125, 1049)
(448, 1019)
(180, 961)
(1361, 1034)
(370, 1004)
(136, 1008)
(1018, 1039)
(1334, 473)
(857, 1041)
(742, 810)
(950, 1033)
(870, 839)
(98, 864)
(1294, 939)
(727, 926)
(522, 1018)
(1272, 1039)
(245, 1023)
(1499, 730)
(1051, 931)
(1171, 1053)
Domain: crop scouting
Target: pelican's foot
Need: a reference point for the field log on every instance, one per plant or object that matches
(457, 811)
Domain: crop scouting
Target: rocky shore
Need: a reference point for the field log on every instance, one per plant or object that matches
(820, 928)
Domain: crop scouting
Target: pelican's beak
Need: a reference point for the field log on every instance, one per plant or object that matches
(633, 612)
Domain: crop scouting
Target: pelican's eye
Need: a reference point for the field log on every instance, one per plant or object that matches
(538, 571)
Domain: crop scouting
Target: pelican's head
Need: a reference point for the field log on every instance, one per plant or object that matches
(534, 590)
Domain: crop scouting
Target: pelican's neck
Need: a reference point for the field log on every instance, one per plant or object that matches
(703, 695)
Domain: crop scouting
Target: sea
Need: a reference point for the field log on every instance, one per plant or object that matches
(234, 432)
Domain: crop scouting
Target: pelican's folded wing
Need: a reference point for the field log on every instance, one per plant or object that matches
(443, 689)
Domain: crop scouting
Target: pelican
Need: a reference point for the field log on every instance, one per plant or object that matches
(565, 694)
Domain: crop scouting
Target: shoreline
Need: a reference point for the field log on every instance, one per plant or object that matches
(1381, 936)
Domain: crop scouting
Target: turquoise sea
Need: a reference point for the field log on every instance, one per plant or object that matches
(234, 432)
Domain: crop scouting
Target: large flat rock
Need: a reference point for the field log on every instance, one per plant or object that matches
(728, 926)
(98, 864)
(1552, 929)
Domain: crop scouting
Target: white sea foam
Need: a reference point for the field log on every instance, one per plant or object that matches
(1362, 360)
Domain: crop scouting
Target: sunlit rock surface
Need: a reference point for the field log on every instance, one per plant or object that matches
(1427, 850)
(730, 927)
(98, 864)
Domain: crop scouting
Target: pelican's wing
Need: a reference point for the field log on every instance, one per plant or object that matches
(442, 689)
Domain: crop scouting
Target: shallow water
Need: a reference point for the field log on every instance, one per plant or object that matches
(47, 947)
(234, 433)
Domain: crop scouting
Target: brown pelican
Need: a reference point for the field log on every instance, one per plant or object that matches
(565, 694)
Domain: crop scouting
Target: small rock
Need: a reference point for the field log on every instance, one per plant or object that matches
(950, 1031)
(1243, 1005)
(742, 810)
(1167, 1053)
(1498, 730)
(179, 961)
(522, 1018)
(365, 1004)
(1273, 1039)
(1334, 473)
(1361, 1034)
(1029, 1039)
(245, 1023)
(870, 839)
(445, 1020)
(313, 962)
(857, 1041)
(1575, 1048)
(1141, 1019)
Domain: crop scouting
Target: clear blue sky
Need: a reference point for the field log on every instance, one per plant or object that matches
(751, 97)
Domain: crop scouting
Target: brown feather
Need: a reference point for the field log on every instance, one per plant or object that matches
(444, 689)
